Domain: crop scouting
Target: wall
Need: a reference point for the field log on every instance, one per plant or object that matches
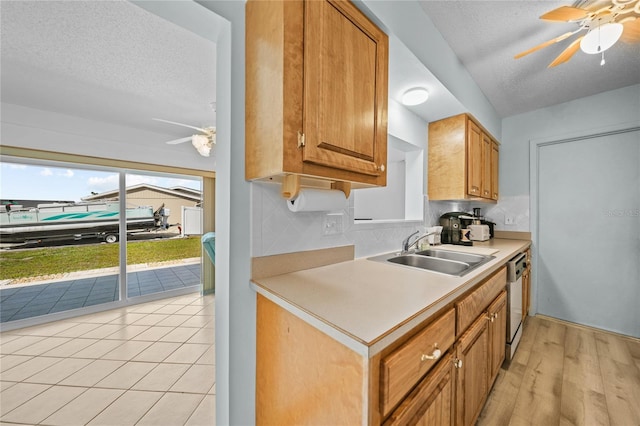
(558, 121)
(589, 115)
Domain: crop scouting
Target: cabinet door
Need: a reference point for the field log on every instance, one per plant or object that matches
(526, 293)
(495, 161)
(485, 184)
(474, 159)
(472, 378)
(431, 403)
(345, 89)
(497, 316)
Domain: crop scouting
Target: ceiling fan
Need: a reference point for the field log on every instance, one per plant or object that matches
(605, 21)
(203, 142)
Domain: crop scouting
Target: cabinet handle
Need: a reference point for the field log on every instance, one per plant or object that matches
(434, 355)
(457, 363)
(491, 317)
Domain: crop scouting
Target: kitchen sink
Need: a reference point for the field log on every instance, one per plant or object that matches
(469, 258)
(435, 260)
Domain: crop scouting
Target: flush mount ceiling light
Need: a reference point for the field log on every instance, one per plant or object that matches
(415, 96)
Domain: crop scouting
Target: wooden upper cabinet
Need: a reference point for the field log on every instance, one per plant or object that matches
(461, 162)
(316, 92)
(495, 161)
(485, 184)
(474, 159)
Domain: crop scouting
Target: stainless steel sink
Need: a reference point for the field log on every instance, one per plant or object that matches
(435, 260)
(469, 258)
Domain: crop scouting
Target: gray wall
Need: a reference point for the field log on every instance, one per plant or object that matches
(587, 116)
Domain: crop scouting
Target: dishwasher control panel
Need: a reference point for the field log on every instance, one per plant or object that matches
(516, 266)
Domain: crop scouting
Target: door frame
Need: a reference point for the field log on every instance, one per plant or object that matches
(534, 164)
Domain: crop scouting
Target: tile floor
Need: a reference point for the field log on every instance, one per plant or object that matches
(147, 364)
(19, 302)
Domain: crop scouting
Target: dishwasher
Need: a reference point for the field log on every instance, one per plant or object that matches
(515, 268)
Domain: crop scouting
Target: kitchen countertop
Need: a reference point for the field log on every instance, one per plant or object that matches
(367, 305)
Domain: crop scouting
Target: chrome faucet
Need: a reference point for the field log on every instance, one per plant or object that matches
(406, 244)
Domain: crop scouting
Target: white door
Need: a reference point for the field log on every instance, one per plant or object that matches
(589, 232)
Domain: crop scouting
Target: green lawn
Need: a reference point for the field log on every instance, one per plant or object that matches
(58, 260)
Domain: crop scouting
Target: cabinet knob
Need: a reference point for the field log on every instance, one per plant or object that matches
(457, 363)
(491, 317)
(381, 168)
(434, 355)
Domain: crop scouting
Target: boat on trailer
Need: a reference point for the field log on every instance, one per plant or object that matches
(61, 221)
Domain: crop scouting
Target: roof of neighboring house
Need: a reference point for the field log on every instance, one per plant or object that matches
(179, 191)
(192, 191)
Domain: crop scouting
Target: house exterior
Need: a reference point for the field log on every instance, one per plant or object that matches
(174, 198)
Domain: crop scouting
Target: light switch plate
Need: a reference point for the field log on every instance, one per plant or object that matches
(332, 224)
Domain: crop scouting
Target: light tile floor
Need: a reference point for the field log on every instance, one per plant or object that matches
(147, 364)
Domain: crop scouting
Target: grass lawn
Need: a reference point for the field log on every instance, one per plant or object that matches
(58, 260)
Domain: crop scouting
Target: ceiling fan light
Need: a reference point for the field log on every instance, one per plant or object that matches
(202, 144)
(601, 38)
(415, 96)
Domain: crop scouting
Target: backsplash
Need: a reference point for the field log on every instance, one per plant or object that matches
(277, 230)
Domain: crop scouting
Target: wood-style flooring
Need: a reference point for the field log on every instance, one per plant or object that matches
(564, 374)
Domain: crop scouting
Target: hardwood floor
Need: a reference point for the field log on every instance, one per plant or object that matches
(564, 374)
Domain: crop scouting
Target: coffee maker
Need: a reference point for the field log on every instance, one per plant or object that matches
(453, 222)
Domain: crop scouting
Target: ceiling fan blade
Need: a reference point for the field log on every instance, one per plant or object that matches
(546, 43)
(565, 13)
(177, 141)
(631, 31)
(567, 53)
(180, 124)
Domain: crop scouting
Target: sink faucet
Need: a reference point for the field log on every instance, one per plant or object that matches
(406, 244)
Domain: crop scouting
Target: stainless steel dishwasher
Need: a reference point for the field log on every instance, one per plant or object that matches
(515, 268)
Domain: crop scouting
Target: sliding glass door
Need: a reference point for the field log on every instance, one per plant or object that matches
(73, 237)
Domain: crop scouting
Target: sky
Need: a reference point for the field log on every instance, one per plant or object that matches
(27, 182)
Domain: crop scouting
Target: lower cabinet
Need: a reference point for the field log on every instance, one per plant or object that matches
(440, 373)
(431, 402)
(472, 381)
(497, 317)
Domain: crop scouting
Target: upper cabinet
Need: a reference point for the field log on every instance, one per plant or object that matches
(463, 160)
(316, 92)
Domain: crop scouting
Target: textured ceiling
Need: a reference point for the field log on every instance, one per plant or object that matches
(109, 61)
(485, 35)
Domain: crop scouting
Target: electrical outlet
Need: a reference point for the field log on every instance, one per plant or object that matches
(332, 224)
(509, 220)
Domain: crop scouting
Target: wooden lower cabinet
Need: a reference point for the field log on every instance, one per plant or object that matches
(427, 377)
(431, 403)
(497, 316)
(472, 382)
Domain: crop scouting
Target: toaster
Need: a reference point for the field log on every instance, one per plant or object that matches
(479, 232)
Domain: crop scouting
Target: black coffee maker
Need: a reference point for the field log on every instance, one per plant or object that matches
(453, 222)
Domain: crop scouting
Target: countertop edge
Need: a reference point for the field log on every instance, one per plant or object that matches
(377, 345)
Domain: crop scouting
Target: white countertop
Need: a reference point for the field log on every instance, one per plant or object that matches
(366, 305)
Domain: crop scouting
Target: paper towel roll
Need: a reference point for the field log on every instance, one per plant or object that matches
(317, 200)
